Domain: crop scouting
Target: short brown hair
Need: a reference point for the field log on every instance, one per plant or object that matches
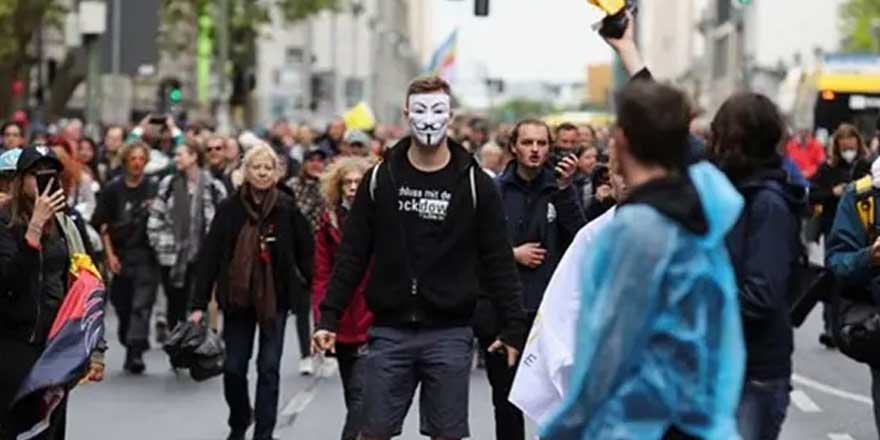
(136, 145)
(428, 84)
(196, 149)
(514, 135)
(565, 126)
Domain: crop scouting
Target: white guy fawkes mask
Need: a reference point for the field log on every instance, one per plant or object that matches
(429, 115)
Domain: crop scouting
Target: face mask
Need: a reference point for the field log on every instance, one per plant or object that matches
(429, 115)
(849, 155)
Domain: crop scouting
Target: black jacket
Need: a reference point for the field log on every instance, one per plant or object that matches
(538, 212)
(764, 248)
(823, 183)
(25, 313)
(292, 253)
(476, 248)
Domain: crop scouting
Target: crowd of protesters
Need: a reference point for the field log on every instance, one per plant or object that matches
(404, 249)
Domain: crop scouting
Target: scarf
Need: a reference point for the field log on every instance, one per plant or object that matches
(251, 279)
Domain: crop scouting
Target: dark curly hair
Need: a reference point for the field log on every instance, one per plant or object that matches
(746, 134)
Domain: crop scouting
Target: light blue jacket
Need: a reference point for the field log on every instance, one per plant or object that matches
(660, 340)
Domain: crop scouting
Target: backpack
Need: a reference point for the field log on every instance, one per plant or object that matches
(855, 323)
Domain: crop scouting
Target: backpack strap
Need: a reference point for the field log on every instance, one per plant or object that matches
(866, 205)
(374, 181)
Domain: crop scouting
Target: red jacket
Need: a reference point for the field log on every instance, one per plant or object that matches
(807, 157)
(356, 320)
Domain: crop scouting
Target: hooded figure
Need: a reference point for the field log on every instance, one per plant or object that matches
(673, 353)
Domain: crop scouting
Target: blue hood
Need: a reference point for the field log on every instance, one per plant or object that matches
(721, 202)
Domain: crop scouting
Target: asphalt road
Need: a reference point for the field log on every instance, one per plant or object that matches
(831, 400)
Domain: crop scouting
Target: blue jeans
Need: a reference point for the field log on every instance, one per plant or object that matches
(238, 334)
(762, 408)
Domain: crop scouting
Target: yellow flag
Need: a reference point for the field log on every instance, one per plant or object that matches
(359, 117)
(610, 7)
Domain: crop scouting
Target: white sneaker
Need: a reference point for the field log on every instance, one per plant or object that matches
(306, 366)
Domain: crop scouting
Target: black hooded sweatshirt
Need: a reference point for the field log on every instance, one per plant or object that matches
(427, 274)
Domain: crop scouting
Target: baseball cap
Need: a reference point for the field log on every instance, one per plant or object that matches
(30, 156)
(315, 151)
(9, 160)
(357, 137)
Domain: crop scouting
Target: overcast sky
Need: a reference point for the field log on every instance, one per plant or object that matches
(547, 40)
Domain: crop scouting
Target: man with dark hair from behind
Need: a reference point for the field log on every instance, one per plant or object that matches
(660, 266)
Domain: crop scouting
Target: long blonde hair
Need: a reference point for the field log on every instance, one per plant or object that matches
(331, 180)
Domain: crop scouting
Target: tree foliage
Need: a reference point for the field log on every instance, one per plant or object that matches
(860, 23)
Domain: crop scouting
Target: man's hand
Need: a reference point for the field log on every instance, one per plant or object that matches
(603, 192)
(196, 316)
(530, 255)
(145, 123)
(565, 170)
(875, 252)
(324, 340)
(95, 373)
(512, 353)
(626, 48)
(169, 122)
(113, 263)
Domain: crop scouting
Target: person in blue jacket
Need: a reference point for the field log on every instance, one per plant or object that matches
(765, 247)
(853, 254)
(659, 352)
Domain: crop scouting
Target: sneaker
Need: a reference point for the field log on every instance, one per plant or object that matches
(306, 366)
(237, 435)
(134, 362)
(161, 332)
(826, 340)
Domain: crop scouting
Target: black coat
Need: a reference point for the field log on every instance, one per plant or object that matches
(538, 212)
(475, 248)
(823, 183)
(292, 254)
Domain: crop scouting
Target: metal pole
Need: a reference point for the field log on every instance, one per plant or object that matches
(222, 29)
(117, 36)
(334, 52)
(93, 80)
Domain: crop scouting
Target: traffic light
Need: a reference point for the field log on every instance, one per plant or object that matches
(170, 94)
(481, 8)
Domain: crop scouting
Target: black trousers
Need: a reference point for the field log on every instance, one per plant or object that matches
(239, 327)
(132, 294)
(304, 335)
(178, 297)
(509, 421)
(352, 360)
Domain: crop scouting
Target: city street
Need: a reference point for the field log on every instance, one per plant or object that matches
(831, 400)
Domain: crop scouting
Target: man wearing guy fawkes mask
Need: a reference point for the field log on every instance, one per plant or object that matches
(433, 225)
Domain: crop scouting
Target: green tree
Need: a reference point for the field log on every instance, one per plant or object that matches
(520, 108)
(857, 20)
(245, 17)
(19, 21)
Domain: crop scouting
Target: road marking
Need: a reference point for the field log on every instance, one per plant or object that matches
(827, 389)
(303, 398)
(803, 402)
(840, 437)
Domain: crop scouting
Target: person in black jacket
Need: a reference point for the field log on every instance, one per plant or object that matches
(433, 224)
(258, 253)
(764, 248)
(543, 216)
(847, 163)
(34, 263)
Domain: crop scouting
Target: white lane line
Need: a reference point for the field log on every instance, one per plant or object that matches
(827, 389)
(836, 436)
(804, 403)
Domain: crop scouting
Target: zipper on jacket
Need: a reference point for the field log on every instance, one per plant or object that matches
(415, 292)
(38, 298)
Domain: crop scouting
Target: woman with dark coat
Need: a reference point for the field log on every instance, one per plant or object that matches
(258, 253)
(34, 264)
(339, 185)
(848, 162)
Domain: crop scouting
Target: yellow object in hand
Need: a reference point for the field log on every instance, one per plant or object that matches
(610, 7)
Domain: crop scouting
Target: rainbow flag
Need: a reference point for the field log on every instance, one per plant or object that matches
(443, 60)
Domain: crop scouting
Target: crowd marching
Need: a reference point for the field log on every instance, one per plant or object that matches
(629, 282)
